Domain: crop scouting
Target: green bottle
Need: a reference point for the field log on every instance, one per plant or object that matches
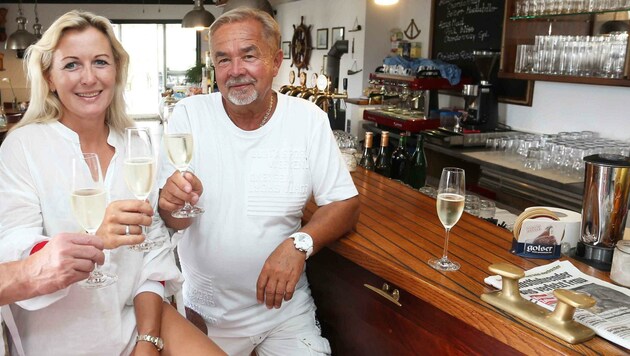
(418, 168)
(400, 160)
(384, 159)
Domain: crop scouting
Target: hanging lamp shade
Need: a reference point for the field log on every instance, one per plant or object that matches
(37, 30)
(20, 39)
(256, 4)
(37, 27)
(385, 2)
(198, 18)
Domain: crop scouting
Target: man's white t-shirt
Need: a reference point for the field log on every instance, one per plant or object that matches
(255, 185)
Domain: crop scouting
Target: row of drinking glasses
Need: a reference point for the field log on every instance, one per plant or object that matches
(555, 7)
(563, 152)
(599, 56)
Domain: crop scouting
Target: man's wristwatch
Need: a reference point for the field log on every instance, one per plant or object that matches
(303, 242)
(156, 341)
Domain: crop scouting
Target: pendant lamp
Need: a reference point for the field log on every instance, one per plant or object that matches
(256, 4)
(37, 27)
(385, 2)
(20, 39)
(198, 18)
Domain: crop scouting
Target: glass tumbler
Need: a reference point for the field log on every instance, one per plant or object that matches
(620, 269)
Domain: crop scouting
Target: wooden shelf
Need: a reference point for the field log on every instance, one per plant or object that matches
(566, 79)
(523, 30)
(552, 16)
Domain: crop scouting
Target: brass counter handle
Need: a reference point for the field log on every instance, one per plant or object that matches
(568, 301)
(392, 296)
(559, 322)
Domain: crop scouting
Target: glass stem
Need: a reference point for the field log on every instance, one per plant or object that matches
(96, 273)
(444, 254)
(187, 205)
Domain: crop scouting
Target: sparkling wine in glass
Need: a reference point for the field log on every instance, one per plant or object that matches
(179, 148)
(89, 201)
(451, 199)
(139, 170)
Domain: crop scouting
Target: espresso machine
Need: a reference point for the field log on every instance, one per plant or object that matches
(481, 106)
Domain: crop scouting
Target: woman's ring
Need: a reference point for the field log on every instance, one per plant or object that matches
(127, 232)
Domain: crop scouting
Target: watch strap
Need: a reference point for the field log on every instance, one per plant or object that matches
(156, 341)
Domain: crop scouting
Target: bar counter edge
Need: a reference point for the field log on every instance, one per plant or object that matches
(397, 232)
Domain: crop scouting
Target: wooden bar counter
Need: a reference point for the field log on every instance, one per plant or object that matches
(439, 312)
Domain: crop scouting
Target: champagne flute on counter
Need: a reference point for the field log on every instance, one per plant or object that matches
(450, 203)
(139, 170)
(179, 149)
(88, 202)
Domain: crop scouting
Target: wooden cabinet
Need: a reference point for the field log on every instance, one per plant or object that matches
(358, 321)
(520, 30)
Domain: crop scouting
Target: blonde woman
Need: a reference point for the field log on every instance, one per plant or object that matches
(77, 73)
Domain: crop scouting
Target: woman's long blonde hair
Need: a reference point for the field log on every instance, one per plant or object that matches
(44, 104)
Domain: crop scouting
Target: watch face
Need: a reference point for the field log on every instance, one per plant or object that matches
(303, 242)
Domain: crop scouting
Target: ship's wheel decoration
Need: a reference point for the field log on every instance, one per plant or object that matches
(301, 45)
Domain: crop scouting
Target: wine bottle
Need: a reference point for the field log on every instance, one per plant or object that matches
(418, 167)
(400, 160)
(367, 160)
(383, 159)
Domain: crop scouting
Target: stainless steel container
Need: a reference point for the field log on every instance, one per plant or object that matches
(604, 207)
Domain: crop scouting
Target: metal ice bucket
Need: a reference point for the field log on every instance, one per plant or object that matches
(604, 207)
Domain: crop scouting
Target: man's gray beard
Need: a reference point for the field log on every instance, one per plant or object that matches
(237, 99)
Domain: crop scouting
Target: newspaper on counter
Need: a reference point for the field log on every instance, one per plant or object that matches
(609, 318)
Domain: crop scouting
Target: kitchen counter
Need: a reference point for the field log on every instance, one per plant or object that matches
(440, 312)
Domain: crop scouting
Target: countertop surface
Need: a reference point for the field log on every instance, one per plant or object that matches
(399, 231)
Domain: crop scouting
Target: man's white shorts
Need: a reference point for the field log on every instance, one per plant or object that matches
(298, 336)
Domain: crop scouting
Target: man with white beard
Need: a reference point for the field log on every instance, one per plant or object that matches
(258, 158)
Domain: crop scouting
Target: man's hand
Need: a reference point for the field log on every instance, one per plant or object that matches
(280, 274)
(178, 190)
(122, 216)
(67, 258)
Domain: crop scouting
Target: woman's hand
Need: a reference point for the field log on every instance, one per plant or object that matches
(121, 224)
(144, 348)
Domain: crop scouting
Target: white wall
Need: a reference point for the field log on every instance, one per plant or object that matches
(324, 14)
(556, 106)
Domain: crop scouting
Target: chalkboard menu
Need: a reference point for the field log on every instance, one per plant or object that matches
(460, 27)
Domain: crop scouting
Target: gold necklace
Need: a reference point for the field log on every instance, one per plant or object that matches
(266, 117)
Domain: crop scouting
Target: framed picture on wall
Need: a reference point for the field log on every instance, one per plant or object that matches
(286, 50)
(337, 34)
(322, 38)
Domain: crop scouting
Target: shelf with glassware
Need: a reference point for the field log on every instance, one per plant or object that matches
(567, 47)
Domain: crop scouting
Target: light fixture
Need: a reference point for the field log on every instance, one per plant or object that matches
(256, 4)
(198, 18)
(385, 2)
(20, 39)
(37, 27)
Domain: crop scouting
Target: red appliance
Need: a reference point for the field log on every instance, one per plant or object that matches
(404, 120)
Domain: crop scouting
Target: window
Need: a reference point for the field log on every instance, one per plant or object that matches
(160, 54)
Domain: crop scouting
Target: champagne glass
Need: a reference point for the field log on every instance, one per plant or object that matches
(88, 201)
(450, 205)
(179, 149)
(139, 169)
